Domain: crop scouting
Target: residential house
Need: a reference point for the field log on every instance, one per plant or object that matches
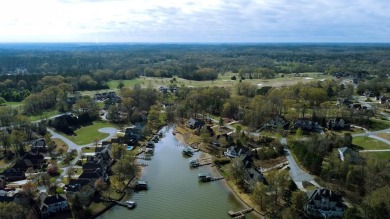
(235, 151)
(7, 199)
(133, 134)
(324, 203)
(53, 204)
(307, 125)
(93, 176)
(248, 160)
(195, 123)
(337, 124)
(368, 93)
(275, 123)
(75, 185)
(383, 99)
(12, 174)
(345, 152)
(343, 102)
(30, 160)
(38, 145)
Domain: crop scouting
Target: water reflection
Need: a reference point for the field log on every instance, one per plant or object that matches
(175, 191)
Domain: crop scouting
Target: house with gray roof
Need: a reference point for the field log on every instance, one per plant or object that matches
(324, 203)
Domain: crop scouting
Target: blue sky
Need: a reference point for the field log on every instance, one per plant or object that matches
(195, 21)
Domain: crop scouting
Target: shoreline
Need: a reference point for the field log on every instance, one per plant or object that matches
(179, 136)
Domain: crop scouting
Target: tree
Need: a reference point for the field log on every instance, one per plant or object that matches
(347, 139)
(237, 169)
(11, 210)
(77, 208)
(298, 201)
(121, 85)
(260, 195)
(118, 150)
(29, 190)
(124, 169)
(220, 122)
(100, 185)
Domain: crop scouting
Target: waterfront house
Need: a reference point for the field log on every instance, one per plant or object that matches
(235, 151)
(195, 123)
(133, 134)
(248, 160)
(75, 185)
(324, 203)
(53, 204)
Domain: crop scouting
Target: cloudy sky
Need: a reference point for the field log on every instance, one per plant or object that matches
(195, 21)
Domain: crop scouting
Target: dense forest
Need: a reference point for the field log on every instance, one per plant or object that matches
(90, 66)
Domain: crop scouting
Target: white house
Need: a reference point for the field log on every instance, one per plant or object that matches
(52, 204)
(234, 152)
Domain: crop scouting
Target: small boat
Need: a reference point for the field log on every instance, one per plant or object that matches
(188, 152)
(204, 177)
(131, 204)
(194, 163)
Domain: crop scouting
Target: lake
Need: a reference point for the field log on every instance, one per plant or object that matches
(175, 191)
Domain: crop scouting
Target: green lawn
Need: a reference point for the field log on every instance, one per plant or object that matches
(88, 134)
(378, 155)
(128, 83)
(369, 143)
(13, 104)
(44, 115)
(222, 80)
(377, 124)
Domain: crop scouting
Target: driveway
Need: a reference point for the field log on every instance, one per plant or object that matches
(297, 174)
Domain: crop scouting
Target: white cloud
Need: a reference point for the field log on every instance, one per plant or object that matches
(195, 20)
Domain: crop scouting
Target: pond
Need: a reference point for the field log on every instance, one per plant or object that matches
(175, 191)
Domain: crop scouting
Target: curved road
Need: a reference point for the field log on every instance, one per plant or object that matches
(73, 146)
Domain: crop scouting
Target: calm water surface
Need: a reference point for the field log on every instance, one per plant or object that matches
(174, 189)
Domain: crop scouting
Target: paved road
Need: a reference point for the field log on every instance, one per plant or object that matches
(378, 150)
(297, 174)
(73, 146)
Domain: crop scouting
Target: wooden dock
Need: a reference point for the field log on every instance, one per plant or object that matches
(124, 205)
(216, 178)
(142, 164)
(239, 214)
(144, 158)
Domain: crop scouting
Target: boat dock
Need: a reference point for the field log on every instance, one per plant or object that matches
(143, 157)
(124, 205)
(239, 214)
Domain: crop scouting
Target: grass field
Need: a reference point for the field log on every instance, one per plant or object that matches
(61, 144)
(378, 155)
(369, 143)
(128, 83)
(13, 104)
(44, 115)
(377, 124)
(88, 134)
